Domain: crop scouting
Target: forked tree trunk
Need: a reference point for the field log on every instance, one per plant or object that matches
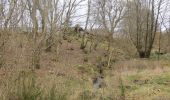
(143, 54)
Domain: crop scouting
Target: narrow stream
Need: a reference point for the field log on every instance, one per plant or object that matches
(97, 82)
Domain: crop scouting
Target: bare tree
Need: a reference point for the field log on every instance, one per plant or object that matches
(70, 8)
(33, 7)
(6, 19)
(142, 24)
(165, 23)
(110, 14)
(84, 41)
(44, 8)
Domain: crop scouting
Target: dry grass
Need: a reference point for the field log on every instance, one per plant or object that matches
(70, 78)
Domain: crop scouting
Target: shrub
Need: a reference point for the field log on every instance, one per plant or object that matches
(25, 88)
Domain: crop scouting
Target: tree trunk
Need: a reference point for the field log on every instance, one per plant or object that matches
(83, 42)
(143, 54)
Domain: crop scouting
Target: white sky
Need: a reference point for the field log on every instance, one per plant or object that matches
(82, 10)
(81, 13)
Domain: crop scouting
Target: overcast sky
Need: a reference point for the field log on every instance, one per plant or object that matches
(81, 13)
(82, 10)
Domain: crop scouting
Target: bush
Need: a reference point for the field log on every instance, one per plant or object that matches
(25, 88)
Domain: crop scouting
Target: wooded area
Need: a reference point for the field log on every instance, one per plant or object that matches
(84, 49)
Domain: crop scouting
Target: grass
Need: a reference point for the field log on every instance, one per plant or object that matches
(71, 78)
(25, 87)
(147, 86)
